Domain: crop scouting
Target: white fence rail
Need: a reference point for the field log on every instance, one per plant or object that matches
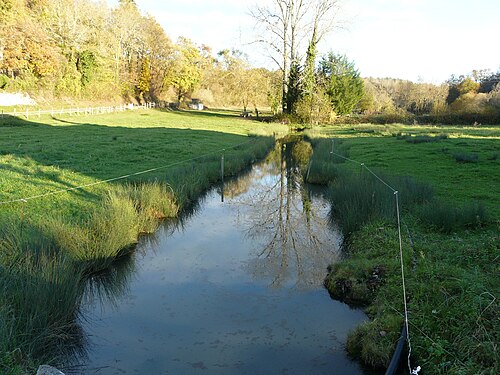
(76, 111)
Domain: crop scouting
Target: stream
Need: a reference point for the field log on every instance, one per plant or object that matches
(232, 287)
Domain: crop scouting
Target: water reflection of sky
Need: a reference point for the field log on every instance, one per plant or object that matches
(204, 300)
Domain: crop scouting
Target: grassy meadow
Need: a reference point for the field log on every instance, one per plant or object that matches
(50, 244)
(450, 212)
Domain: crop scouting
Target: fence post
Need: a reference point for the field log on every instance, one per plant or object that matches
(222, 175)
(27, 114)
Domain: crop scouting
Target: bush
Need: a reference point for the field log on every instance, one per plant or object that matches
(314, 109)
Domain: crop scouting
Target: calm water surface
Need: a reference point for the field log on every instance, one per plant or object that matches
(233, 288)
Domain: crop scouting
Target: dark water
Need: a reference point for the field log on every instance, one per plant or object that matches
(234, 288)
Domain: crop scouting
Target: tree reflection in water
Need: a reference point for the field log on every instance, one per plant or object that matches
(289, 224)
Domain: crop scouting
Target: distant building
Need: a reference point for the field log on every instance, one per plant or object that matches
(196, 104)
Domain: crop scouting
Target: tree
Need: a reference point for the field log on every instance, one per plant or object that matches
(157, 49)
(185, 73)
(321, 25)
(468, 85)
(376, 98)
(285, 24)
(28, 49)
(489, 82)
(86, 64)
(144, 83)
(341, 82)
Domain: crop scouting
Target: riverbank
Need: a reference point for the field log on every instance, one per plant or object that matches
(72, 212)
(450, 240)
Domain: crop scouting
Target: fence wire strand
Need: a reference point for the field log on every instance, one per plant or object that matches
(26, 199)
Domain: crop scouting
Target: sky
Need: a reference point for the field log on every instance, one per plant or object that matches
(418, 40)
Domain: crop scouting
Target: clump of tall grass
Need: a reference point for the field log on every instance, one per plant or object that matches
(40, 297)
(128, 211)
(359, 198)
(446, 218)
(463, 157)
(153, 201)
(323, 166)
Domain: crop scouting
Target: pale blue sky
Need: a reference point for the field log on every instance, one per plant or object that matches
(410, 39)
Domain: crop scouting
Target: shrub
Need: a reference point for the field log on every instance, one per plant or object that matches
(314, 109)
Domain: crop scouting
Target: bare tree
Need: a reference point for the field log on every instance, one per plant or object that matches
(285, 24)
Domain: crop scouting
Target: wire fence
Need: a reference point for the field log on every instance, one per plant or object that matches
(75, 111)
(112, 179)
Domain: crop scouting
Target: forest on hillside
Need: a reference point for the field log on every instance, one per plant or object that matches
(84, 50)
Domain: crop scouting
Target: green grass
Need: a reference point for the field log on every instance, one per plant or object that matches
(433, 163)
(452, 259)
(50, 244)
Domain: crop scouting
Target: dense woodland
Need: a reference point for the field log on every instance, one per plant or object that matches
(83, 50)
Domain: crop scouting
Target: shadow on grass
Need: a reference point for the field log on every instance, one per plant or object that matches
(206, 113)
(104, 152)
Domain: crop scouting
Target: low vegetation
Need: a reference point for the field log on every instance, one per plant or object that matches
(49, 245)
(450, 242)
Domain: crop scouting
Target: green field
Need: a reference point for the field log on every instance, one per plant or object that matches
(71, 151)
(450, 240)
(458, 183)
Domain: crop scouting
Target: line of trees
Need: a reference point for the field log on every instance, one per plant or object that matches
(475, 93)
(83, 49)
(86, 50)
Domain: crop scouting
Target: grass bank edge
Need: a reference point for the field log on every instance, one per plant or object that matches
(370, 275)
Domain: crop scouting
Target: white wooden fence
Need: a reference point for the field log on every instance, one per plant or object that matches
(76, 111)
